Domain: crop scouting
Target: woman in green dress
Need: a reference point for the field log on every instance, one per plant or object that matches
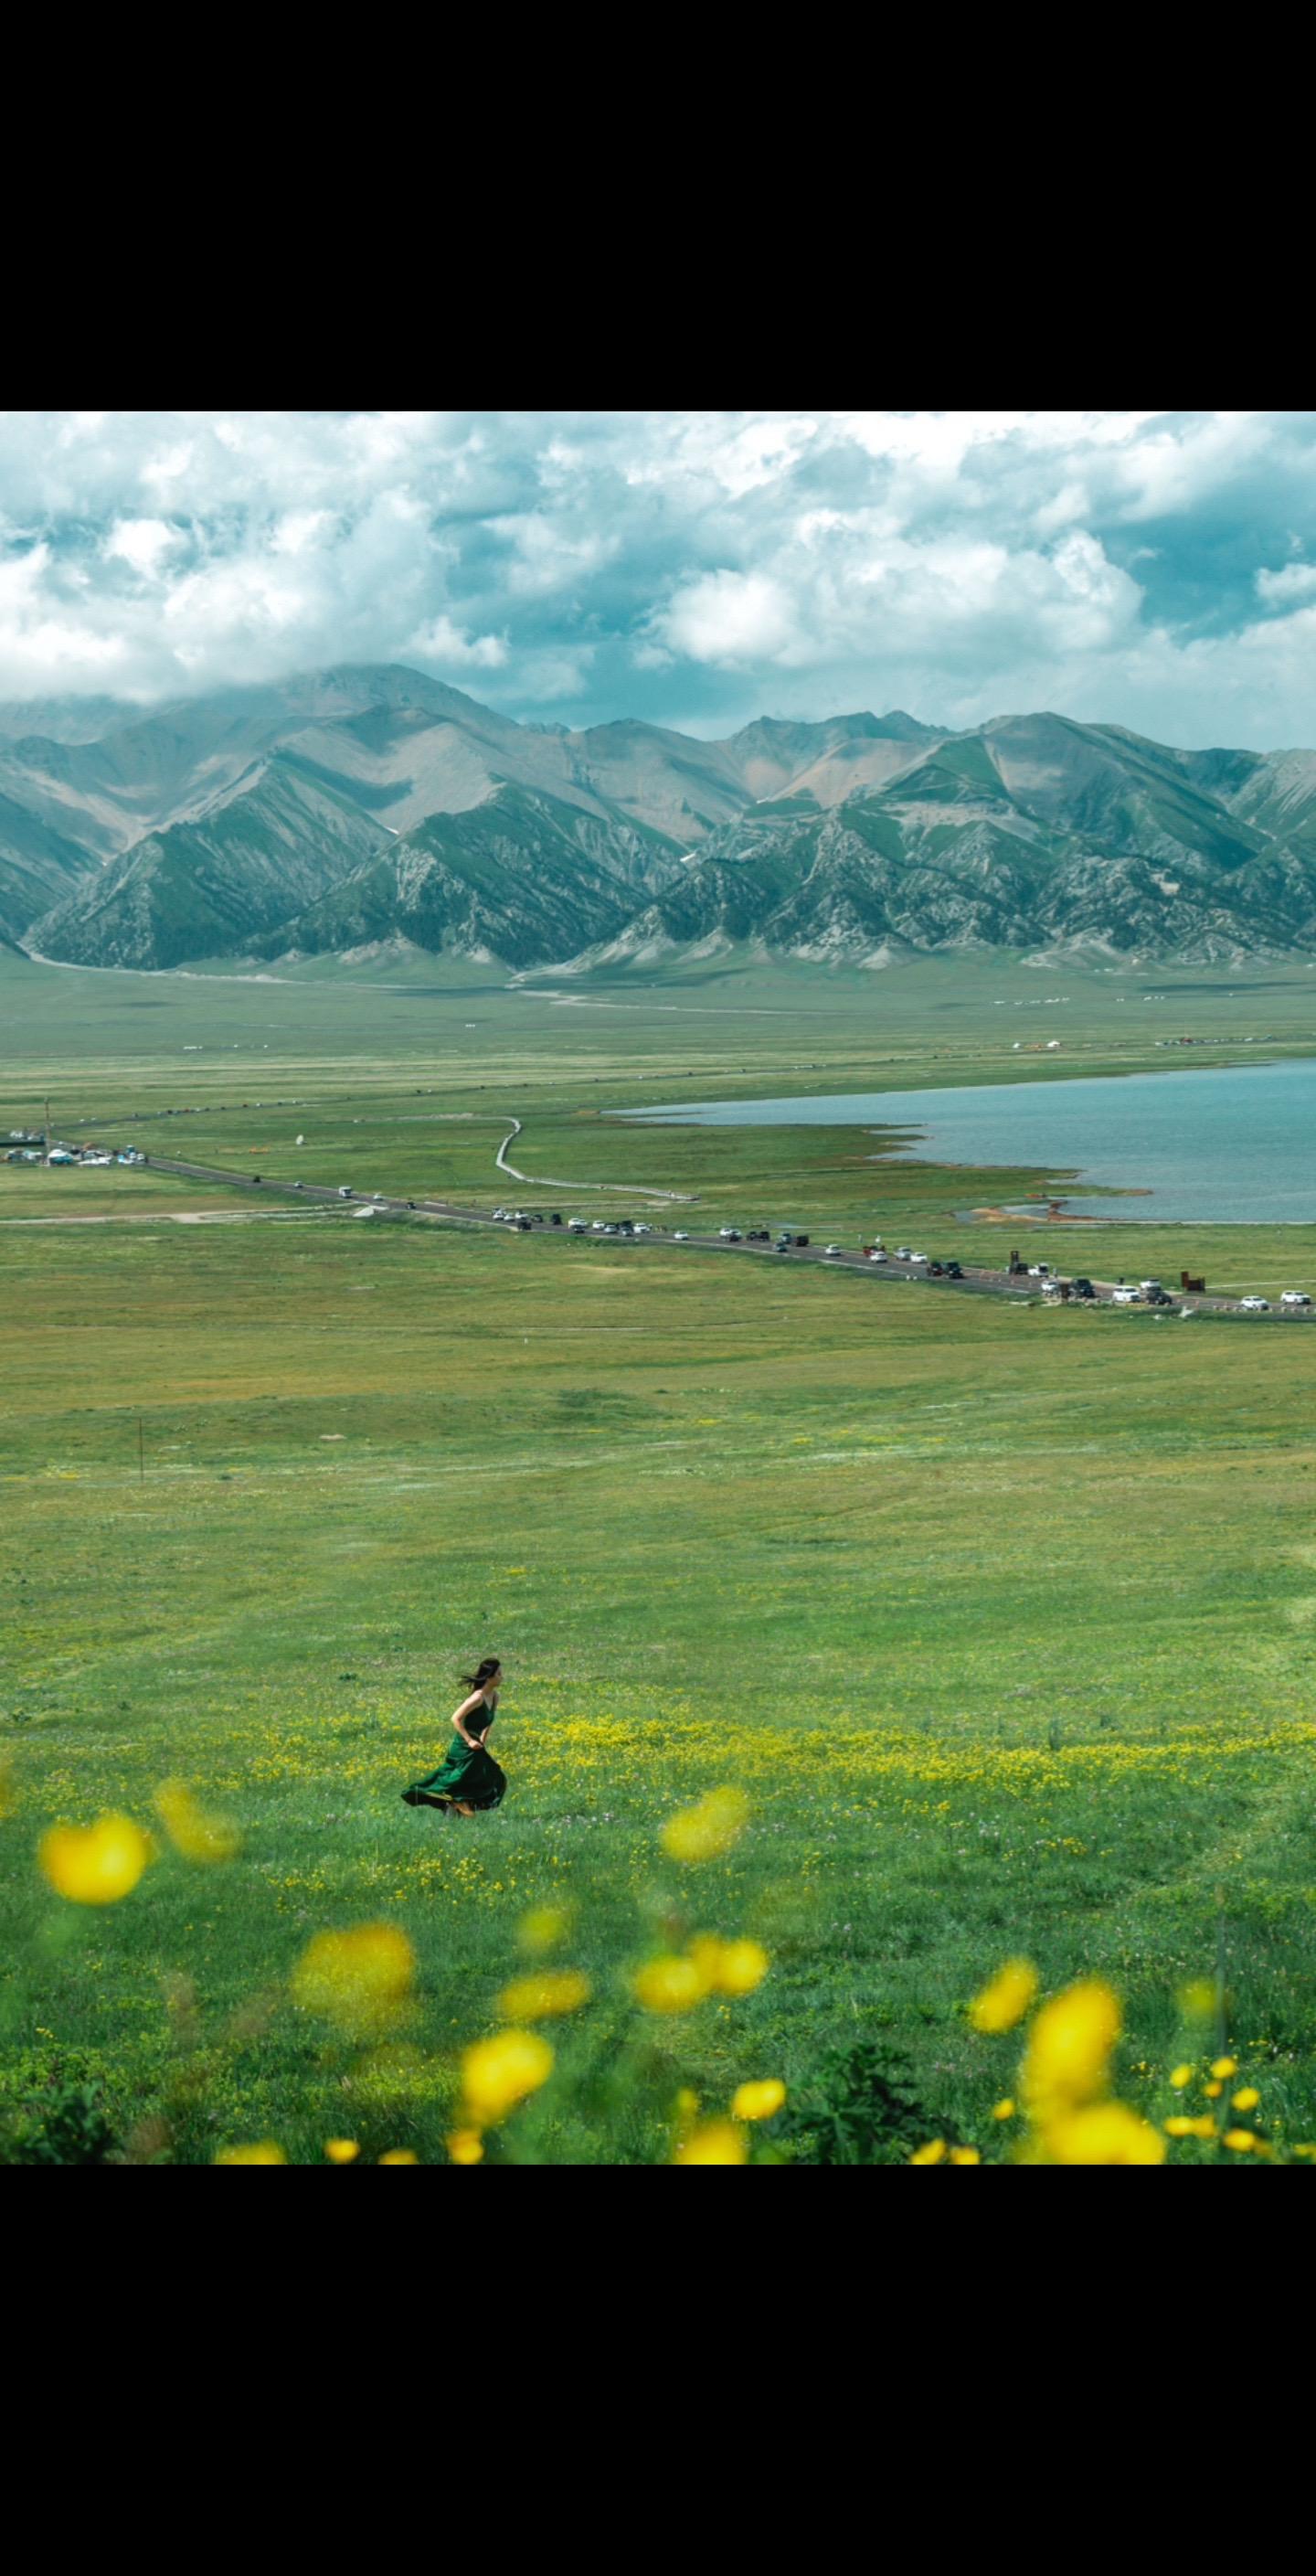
(469, 1781)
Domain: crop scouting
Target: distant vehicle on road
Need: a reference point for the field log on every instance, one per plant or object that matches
(919, 1260)
(903, 1252)
(680, 1235)
(833, 1251)
(875, 1252)
(1084, 1288)
(1039, 1269)
(1253, 1306)
(1295, 1297)
(953, 1270)
(576, 1225)
(344, 1192)
(1125, 1297)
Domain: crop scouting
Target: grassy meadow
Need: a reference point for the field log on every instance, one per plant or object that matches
(1001, 1619)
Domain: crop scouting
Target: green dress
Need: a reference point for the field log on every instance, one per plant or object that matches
(469, 1774)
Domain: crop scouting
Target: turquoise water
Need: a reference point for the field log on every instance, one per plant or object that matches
(1236, 1146)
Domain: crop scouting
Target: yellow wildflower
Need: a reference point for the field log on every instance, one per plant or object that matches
(536, 1998)
(1224, 2067)
(360, 1979)
(1241, 2140)
(1069, 2048)
(498, 2073)
(1213, 2091)
(759, 2101)
(1247, 2100)
(543, 1927)
(706, 1831)
(265, 2154)
(1180, 2126)
(965, 2156)
(1105, 2133)
(466, 2147)
(400, 2156)
(98, 1865)
(1006, 1999)
(1179, 2076)
(1004, 2109)
(670, 1985)
(741, 1967)
(719, 2142)
(193, 1833)
(931, 2154)
(341, 2151)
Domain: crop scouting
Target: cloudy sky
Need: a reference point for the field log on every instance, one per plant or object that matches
(1154, 569)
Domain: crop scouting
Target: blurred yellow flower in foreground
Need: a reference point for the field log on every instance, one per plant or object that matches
(1179, 2076)
(1247, 2100)
(1004, 2109)
(731, 1967)
(341, 2151)
(1104, 2134)
(1181, 2126)
(1197, 2001)
(932, 2154)
(759, 2101)
(96, 1865)
(669, 1984)
(193, 1833)
(543, 1927)
(1006, 1999)
(265, 2154)
(1224, 2067)
(1241, 2140)
(561, 1990)
(1069, 2048)
(965, 2156)
(706, 1831)
(466, 2147)
(360, 1979)
(719, 2142)
(400, 2156)
(498, 2073)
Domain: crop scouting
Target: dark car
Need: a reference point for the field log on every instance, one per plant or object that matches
(1084, 1288)
(555, 1218)
(953, 1270)
(936, 1270)
(1158, 1297)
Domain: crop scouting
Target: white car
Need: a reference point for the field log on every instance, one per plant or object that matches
(833, 1251)
(903, 1252)
(680, 1235)
(639, 1228)
(1253, 1306)
(596, 1225)
(728, 1234)
(1039, 1269)
(921, 1258)
(344, 1192)
(1148, 1285)
(576, 1225)
(876, 1253)
(1295, 1297)
(1126, 1297)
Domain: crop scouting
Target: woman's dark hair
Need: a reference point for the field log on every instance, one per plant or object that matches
(490, 1666)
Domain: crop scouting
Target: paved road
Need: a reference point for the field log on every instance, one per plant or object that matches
(976, 1282)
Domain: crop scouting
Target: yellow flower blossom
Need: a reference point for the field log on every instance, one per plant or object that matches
(400, 2156)
(1224, 2067)
(965, 2156)
(1213, 2091)
(1004, 2001)
(1104, 2133)
(196, 1835)
(1069, 2048)
(1179, 2126)
(741, 1966)
(670, 1985)
(96, 1865)
(932, 2154)
(341, 2151)
(719, 2142)
(1241, 2140)
(498, 2073)
(536, 1998)
(466, 2147)
(759, 2101)
(265, 2154)
(359, 1979)
(1179, 2076)
(706, 1831)
(543, 1927)
(1247, 2100)
(1004, 2109)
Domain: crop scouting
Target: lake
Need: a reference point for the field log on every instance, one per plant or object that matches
(1229, 1146)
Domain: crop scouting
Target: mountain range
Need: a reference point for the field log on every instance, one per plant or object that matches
(360, 808)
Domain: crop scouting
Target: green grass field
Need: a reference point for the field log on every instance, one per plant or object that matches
(1003, 1619)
